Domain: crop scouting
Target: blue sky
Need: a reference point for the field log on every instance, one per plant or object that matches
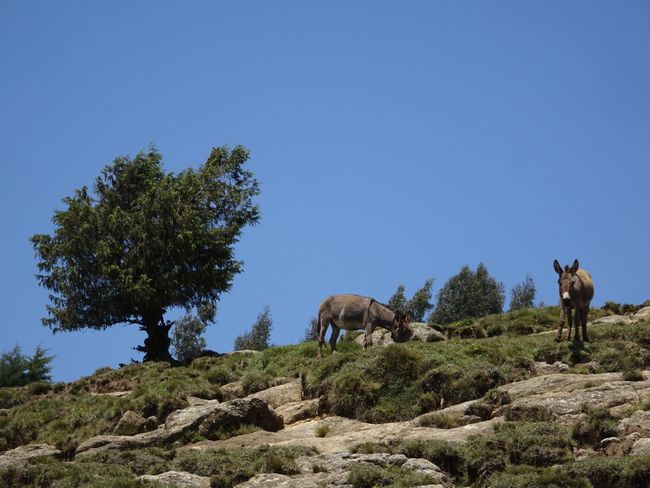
(394, 142)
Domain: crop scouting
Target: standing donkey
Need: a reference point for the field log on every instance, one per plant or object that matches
(354, 312)
(576, 292)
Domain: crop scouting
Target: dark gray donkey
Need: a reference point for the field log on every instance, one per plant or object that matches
(576, 292)
(354, 312)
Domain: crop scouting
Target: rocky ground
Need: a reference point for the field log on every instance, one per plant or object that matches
(287, 416)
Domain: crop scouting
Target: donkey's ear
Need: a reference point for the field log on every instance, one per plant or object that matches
(575, 266)
(557, 267)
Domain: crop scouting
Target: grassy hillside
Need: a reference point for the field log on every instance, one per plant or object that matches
(383, 384)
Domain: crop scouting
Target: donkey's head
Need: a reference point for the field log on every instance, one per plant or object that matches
(400, 331)
(568, 281)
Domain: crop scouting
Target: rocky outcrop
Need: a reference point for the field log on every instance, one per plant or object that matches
(420, 332)
(131, 423)
(179, 479)
(333, 469)
(640, 316)
(564, 396)
(204, 417)
(344, 433)
(297, 411)
(280, 395)
(23, 454)
(638, 422)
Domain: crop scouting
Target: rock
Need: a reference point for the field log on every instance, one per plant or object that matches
(296, 411)
(178, 479)
(420, 332)
(638, 422)
(232, 414)
(642, 315)
(641, 447)
(561, 366)
(614, 319)
(131, 423)
(277, 396)
(200, 418)
(425, 467)
(425, 333)
(23, 454)
(564, 396)
(150, 423)
(272, 480)
(233, 390)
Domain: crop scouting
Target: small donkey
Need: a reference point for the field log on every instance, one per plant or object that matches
(576, 292)
(354, 312)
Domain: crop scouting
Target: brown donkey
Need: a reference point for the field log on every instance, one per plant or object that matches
(576, 292)
(354, 312)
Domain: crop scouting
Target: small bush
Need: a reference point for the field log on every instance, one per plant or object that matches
(219, 376)
(447, 456)
(369, 476)
(480, 409)
(597, 424)
(255, 381)
(322, 430)
(633, 375)
(352, 394)
(438, 420)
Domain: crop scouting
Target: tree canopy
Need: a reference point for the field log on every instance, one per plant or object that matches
(468, 294)
(257, 339)
(146, 241)
(417, 306)
(522, 295)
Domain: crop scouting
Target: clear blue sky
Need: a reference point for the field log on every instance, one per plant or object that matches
(394, 141)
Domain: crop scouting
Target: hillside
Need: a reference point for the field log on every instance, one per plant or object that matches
(496, 404)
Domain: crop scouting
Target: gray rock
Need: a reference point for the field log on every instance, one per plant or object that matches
(420, 332)
(641, 447)
(131, 423)
(178, 479)
(614, 319)
(233, 390)
(232, 414)
(204, 418)
(22, 454)
(296, 411)
(280, 395)
(638, 422)
(642, 315)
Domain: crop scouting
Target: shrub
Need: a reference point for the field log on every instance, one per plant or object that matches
(596, 425)
(352, 394)
(370, 476)
(255, 381)
(447, 456)
(322, 430)
(438, 420)
(633, 375)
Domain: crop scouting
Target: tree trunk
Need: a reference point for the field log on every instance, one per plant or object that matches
(156, 345)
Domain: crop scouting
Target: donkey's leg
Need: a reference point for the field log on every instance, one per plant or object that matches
(560, 325)
(323, 323)
(569, 324)
(576, 322)
(583, 320)
(335, 335)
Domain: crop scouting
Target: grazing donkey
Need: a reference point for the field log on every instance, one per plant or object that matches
(354, 312)
(576, 292)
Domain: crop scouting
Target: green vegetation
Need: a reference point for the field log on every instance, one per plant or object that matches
(257, 339)
(468, 294)
(369, 476)
(120, 468)
(16, 369)
(397, 382)
(522, 295)
(144, 242)
(418, 305)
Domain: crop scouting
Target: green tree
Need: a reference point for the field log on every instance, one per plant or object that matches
(417, 306)
(420, 303)
(312, 330)
(147, 241)
(187, 338)
(523, 294)
(398, 302)
(468, 294)
(16, 369)
(257, 339)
